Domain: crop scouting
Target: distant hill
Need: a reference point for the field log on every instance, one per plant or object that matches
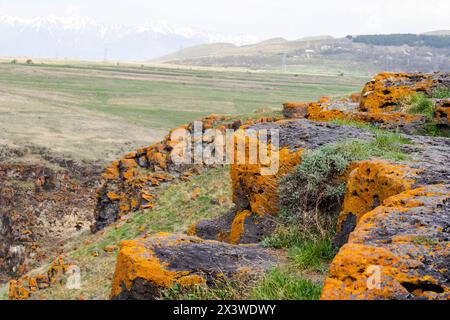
(438, 33)
(358, 54)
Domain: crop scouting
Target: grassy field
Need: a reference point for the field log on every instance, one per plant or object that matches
(97, 111)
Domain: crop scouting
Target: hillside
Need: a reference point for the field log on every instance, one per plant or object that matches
(361, 187)
(320, 54)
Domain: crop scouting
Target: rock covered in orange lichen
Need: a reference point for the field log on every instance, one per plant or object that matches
(368, 184)
(442, 112)
(386, 90)
(24, 287)
(293, 110)
(399, 250)
(147, 265)
(355, 97)
(393, 120)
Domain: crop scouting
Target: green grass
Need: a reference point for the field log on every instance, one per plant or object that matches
(223, 290)
(441, 94)
(283, 285)
(313, 255)
(420, 104)
(277, 284)
(157, 97)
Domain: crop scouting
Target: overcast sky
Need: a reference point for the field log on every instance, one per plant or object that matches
(290, 19)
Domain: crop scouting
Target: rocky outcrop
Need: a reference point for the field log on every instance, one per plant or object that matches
(130, 182)
(256, 195)
(385, 91)
(442, 112)
(345, 110)
(399, 250)
(148, 265)
(26, 286)
(41, 205)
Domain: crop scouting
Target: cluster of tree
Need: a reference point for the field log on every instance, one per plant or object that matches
(412, 40)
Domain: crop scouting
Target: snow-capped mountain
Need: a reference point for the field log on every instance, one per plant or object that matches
(86, 39)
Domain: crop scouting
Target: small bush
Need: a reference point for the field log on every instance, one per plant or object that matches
(14, 61)
(29, 61)
(313, 192)
(281, 285)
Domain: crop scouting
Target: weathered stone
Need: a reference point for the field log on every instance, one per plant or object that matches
(147, 265)
(442, 112)
(41, 206)
(385, 91)
(399, 250)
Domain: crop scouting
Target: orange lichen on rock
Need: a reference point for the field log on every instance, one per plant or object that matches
(238, 226)
(371, 182)
(196, 193)
(149, 264)
(386, 119)
(23, 288)
(314, 111)
(386, 90)
(295, 110)
(135, 261)
(355, 97)
(248, 180)
(397, 251)
(442, 112)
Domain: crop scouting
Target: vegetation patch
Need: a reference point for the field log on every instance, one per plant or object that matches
(421, 104)
(418, 104)
(284, 285)
(277, 284)
(316, 187)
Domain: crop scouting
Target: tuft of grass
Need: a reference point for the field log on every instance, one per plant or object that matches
(419, 104)
(283, 285)
(312, 255)
(223, 290)
(441, 94)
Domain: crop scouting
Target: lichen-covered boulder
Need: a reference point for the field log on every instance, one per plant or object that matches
(346, 110)
(24, 287)
(399, 250)
(442, 112)
(372, 181)
(368, 184)
(392, 121)
(295, 110)
(385, 91)
(147, 265)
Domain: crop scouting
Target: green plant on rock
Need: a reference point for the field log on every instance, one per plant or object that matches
(419, 104)
(441, 94)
